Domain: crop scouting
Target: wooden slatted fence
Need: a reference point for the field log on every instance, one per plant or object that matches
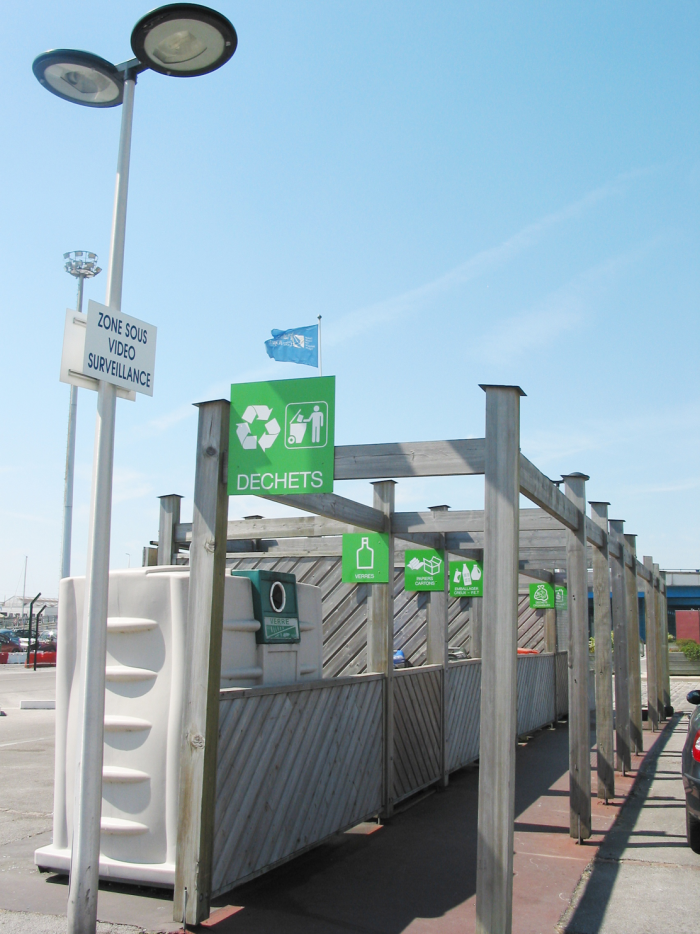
(463, 695)
(417, 734)
(296, 764)
(535, 692)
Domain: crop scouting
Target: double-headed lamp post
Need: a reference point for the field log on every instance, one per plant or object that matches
(83, 265)
(182, 40)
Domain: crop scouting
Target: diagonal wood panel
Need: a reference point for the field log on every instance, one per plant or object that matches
(463, 692)
(293, 768)
(416, 730)
(535, 692)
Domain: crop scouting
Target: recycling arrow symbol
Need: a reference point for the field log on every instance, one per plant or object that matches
(249, 440)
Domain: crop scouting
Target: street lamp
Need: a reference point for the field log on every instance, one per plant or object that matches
(83, 265)
(183, 40)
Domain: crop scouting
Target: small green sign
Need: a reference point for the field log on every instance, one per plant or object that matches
(561, 597)
(541, 596)
(281, 438)
(365, 558)
(425, 570)
(466, 578)
(280, 629)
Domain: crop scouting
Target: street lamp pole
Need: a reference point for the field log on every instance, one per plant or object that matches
(85, 855)
(181, 40)
(82, 270)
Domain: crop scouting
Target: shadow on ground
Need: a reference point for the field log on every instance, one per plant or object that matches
(589, 914)
(420, 865)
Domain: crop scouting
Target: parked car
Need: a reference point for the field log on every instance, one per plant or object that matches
(9, 641)
(690, 766)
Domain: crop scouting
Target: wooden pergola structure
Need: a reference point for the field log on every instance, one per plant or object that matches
(556, 534)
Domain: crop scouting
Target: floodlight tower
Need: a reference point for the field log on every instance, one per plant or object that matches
(83, 265)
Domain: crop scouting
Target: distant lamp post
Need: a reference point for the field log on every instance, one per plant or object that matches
(183, 40)
(83, 265)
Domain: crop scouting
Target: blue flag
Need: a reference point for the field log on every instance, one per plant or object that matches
(298, 345)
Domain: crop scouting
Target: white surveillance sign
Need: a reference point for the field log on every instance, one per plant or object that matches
(119, 349)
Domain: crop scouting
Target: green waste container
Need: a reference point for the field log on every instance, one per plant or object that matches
(275, 605)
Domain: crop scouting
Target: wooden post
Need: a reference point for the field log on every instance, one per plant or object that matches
(550, 630)
(579, 714)
(476, 618)
(550, 645)
(494, 861)
(200, 722)
(663, 635)
(620, 657)
(653, 687)
(662, 650)
(635, 674)
(380, 642)
(562, 616)
(169, 518)
(604, 731)
(437, 648)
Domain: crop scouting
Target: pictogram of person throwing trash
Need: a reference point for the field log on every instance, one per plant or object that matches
(297, 426)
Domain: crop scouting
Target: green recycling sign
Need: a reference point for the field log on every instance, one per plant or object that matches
(541, 596)
(365, 558)
(466, 578)
(561, 598)
(425, 570)
(281, 437)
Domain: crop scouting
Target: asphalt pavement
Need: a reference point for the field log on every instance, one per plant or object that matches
(645, 879)
(416, 874)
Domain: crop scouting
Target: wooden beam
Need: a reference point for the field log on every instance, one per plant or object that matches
(418, 459)
(633, 647)
(541, 490)
(536, 575)
(494, 860)
(202, 660)
(644, 572)
(469, 520)
(604, 731)
(579, 715)
(336, 507)
(623, 758)
(594, 534)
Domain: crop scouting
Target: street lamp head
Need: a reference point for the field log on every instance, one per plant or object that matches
(183, 40)
(82, 264)
(80, 77)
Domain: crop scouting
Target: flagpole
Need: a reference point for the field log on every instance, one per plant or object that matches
(320, 355)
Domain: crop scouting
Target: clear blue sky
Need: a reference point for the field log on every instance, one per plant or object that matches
(467, 192)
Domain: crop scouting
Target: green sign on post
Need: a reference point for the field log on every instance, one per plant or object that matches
(425, 570)
(541, 596)
(281, 437)
(466, 578)
(561, 598)
(365, 558)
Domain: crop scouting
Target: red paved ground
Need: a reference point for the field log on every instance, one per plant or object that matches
(417, 874)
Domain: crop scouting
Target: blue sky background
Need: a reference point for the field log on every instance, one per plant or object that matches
(467, 192)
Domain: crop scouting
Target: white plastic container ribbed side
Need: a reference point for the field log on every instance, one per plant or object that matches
(146, 638)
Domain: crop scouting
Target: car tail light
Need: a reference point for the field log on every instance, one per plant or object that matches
(696, 747)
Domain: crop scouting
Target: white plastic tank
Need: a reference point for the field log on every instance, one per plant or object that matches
(146, 638)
